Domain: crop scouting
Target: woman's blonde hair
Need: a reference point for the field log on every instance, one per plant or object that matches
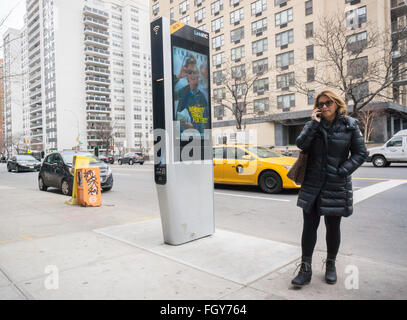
(342, 109)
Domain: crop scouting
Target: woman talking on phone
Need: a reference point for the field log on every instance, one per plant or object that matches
(327, 138)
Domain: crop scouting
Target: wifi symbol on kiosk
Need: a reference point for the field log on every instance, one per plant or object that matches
(156, 28)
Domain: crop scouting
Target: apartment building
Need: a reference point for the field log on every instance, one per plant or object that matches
(86, 75)
(271, 40)
(12, 86)
(2, 131)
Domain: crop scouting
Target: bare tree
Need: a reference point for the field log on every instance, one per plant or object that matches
(358, 65)
(367, 116)
(238, 95)
(103, 132)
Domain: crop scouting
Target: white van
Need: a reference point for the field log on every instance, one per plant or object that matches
(394, 150)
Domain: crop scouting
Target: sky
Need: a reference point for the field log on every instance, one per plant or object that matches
(15, 20)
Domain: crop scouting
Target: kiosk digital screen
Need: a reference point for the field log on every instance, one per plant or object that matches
(191, 91)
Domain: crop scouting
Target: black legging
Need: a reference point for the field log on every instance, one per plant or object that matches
(309, 233)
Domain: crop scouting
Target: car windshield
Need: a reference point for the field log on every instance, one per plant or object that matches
(69, 156)
(262, 152)
(25, 158)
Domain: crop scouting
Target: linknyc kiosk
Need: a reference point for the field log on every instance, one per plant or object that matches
(183, 168)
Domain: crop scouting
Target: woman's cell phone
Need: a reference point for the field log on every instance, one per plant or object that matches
(319, 115)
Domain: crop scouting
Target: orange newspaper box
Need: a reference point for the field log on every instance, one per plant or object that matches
(88, 186)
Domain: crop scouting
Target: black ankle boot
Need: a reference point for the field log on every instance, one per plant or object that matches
(305, 273)
(330, 273)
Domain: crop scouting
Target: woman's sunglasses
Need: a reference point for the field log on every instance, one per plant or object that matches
(327, 103)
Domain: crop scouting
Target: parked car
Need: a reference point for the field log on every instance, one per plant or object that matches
(3, 159)
(252, 165)
(57, 171)
(132, 158)
(393, 151)
(24, 162)
(107, 159)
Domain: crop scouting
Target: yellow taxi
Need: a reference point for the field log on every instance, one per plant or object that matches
(252, 165)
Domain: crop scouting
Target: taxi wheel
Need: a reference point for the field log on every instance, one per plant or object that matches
(270, 182)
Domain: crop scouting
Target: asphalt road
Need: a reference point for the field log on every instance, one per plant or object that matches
(377, 230)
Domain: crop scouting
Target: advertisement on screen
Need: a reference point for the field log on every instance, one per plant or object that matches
(191, 94)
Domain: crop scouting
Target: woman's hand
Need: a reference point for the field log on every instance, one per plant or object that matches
(316, 115)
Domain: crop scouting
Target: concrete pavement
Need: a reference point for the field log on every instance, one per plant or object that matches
(49, 250)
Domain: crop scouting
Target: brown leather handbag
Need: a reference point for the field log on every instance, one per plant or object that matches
(297, 171)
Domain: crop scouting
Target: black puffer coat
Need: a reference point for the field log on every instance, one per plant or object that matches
(329, 166)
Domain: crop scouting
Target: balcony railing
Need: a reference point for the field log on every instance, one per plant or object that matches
(95, 118)
(97, 50)
(97, 60)
(34, 93)
(98, 98)
(89, 29)
(96, 12)
(98, 89)
(36, 109)
(96, 40)
(97, 69)
(35, 101)
(95, 21)
(98, 108)
(97, 79)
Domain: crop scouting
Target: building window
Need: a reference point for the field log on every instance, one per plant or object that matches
(238, 71)
(198, 2)
(199, 15)
(239, 90)
(283, 17)
(310, 74)
(283, 60)
(258, 7)
(261, 85)
(216, 7)
(279, 2)
(202, 27)
(218, 42)
(234, 3)
(185, 20)
(156, 8)
(310, 52)
(284, 38)
(311, 96)
(259, 26)
(237, 34)
(219, 94)
(285, 80)
(236, 16)
(260, 66)
(261, 105)
(357, 42)
(358, 67)
(259, 46)
(360, 91)
(309, 30)
(219, 111)
(217, 24)
(183, 7)
(308, 7)
(355, 17)
(171, 13)
(218, 76)
(286, 101)
(238, 53)
(218, 59)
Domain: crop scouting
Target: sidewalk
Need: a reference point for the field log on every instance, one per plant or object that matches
(130, 261)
